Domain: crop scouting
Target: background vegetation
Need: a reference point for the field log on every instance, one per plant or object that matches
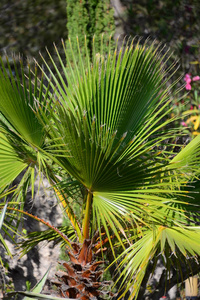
(27, 27)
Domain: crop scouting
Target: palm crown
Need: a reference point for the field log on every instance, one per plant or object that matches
(99, 130)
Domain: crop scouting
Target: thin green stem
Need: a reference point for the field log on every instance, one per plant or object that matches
(86, 221)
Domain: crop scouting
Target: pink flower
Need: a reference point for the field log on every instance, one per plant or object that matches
(196, 78)
(183, 124)
(187, 77)
(188, 80)
(188, 86)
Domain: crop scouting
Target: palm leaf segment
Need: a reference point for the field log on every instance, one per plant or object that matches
(107, 130)
(174, 246)
(21, 133)
(103, 123)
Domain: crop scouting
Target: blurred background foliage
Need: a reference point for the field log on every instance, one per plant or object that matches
(174, 22)
(28, 26)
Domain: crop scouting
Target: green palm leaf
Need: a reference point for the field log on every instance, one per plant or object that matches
(39, 285)
(111, 124)
(169, 243)
(104, 125)
(17, 103)
(2, 216)
(21, 130)
(108, 128)
(9, 160)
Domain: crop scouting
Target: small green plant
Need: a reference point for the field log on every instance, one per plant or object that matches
(35, 292)
(28, 286)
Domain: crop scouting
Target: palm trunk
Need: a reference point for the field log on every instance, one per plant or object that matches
(81, 278)
(86, 221)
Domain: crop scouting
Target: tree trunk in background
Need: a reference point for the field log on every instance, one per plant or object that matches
(89, 17)
(119, 10)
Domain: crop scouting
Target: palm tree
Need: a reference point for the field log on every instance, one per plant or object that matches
(100, 132)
